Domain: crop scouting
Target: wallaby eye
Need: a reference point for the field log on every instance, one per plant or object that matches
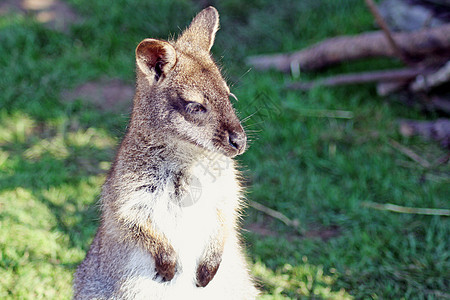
(195, 108)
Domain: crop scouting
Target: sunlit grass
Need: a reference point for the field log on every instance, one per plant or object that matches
(304, 279)
(15, 128)
(305, 160)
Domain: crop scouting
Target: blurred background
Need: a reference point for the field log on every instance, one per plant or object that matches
(348, 185)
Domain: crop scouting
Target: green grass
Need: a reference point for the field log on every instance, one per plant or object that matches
(312, 168)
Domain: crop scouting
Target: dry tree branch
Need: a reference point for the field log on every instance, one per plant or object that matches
(407, 210)
(438, 130)
(379, 19)
(421, 43)
(411, 154)
(275, 214)
(426, 82)
(373, 76)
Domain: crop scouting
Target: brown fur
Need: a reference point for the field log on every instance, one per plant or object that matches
(181, 110)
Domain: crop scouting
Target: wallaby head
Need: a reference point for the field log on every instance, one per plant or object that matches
(181, 92)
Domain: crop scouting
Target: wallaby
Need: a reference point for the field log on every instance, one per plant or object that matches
(171, 201)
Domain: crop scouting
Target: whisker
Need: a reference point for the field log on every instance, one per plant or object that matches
(250, 136)
(240, 78)
(249, 116)
(253, 124)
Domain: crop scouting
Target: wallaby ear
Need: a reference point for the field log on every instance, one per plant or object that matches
(155, 57)
(202, 30)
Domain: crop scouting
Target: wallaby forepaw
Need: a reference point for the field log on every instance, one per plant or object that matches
(166, 266)
(206, 272)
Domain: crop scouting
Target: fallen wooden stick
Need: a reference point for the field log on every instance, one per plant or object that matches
(438, 130)
(385, 88)
(411, 154)
(407, 210)
(275, 214)
(425, 83)
(420, 43)
(385, 28)
(374, 76)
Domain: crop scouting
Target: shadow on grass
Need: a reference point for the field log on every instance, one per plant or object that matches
(68, 182)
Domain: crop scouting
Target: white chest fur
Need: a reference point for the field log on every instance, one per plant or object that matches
(187, 224)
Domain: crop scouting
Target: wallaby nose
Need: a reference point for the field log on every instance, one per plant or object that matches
(237, 140)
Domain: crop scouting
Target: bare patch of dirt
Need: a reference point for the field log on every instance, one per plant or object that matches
(260, 229)
(55, 14)
(106, 94)
(314, 231)
(323, 232)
